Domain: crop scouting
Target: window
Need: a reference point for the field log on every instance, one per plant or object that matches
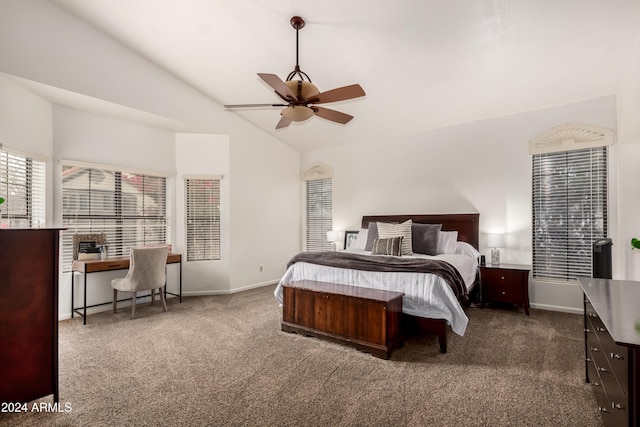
(319, 213)
(130, 208)
(569, 211)
(22, 185)
(203, 218)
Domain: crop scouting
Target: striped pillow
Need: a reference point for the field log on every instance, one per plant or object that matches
(390, 246)
(386, 230)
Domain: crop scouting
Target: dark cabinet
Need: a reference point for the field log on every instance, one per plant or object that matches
(505, 283)
(612, 344)
(28, 314)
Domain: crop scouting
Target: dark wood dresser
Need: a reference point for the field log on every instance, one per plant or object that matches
(28, 314)
(367, 319)
(612, 347)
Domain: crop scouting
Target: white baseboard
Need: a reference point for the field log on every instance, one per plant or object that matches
(107, 306)
(562, 309)
(230, 291)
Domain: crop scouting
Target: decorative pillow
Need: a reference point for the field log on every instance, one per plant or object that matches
(447, 242)
(361, 240)
(372, 235)
(388, 246)
(425, 238)
(386, 230)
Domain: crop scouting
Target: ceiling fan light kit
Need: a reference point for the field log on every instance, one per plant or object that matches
(300, 95)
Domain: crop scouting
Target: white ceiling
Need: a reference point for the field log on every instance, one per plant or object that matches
(424, 64)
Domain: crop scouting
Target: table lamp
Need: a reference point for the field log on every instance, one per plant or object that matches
(495, 241)
(332, 237)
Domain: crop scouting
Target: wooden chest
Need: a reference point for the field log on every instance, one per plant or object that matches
(367, 319)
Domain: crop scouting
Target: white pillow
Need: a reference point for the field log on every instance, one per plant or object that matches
(387, 230)
(361, 240)
(464, 248)
(447, 242)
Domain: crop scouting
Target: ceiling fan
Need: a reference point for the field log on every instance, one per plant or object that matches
(301, 97)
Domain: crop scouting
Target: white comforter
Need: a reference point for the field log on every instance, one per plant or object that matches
(426, 295)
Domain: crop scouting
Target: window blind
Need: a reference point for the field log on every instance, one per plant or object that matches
(319, 213)
(202, 199)
(22, 185)
(129, 208)
(569, 211)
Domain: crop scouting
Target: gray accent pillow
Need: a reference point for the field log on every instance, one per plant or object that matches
(371, 235)
(388, 246)
(425, 238)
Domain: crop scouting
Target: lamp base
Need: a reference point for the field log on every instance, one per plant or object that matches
(495, 256)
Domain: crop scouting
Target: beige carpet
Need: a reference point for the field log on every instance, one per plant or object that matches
(222, 360)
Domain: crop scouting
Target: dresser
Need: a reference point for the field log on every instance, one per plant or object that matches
(612, 347)
(28, 314)
(505, 283)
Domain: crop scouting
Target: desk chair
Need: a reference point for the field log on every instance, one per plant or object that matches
(147, 271)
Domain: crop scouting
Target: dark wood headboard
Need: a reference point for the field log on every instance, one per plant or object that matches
(467, 225)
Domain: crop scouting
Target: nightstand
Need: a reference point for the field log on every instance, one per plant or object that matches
(506, 283)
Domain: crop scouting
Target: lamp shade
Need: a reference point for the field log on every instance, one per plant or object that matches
(298, 113)
(495, 240)
(332, 236)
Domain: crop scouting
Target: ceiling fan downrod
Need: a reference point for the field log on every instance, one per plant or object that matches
(297, 23)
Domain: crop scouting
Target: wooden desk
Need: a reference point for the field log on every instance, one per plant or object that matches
(115, 263)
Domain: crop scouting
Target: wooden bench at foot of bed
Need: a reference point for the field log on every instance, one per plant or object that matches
(367, 319)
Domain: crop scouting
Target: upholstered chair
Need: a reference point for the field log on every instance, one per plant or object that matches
(147, 272)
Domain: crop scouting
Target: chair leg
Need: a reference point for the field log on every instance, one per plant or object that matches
(153, 296)
(162, 297)
(115, 301)
(133, 305)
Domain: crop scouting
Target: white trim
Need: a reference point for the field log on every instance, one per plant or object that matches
(218, 177)
(571, 136)
(317, 171)
(32, 156)
(112, 168)
(231, 291)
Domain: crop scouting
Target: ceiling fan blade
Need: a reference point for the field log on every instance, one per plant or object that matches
(339, 94)
(278, 85)
(254, 105)
(333, 115)
(283, 123)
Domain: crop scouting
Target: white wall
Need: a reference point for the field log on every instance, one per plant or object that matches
(480, 167)
(202, 154)
(30, 133)
(265, 211)
(628, 261)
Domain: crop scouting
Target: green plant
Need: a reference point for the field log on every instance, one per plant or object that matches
(1, 200)
(635, 243)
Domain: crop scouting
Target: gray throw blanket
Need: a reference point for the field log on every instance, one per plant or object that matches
(356, 261)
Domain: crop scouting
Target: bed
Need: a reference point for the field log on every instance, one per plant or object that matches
(435, 286)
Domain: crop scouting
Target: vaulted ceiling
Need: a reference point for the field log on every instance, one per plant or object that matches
(424, 64)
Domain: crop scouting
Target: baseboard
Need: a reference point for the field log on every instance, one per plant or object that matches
(230, 291)
(548, 307)
(141, 300)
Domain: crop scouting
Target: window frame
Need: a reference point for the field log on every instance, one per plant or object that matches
(586, 217)
(319, 220)
(208, 246)
(132, 210)
(24, 176)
